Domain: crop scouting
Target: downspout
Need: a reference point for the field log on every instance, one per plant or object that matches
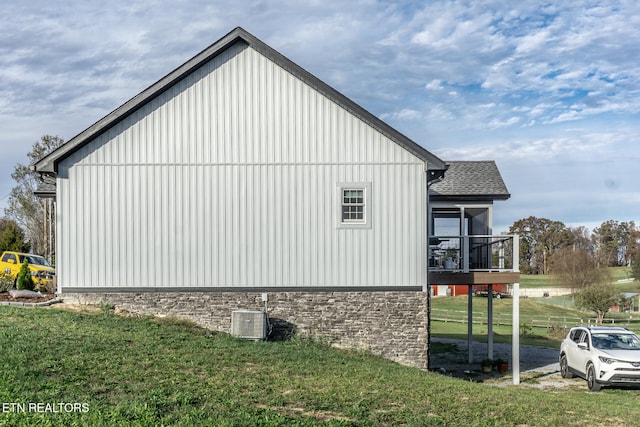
(433, 176)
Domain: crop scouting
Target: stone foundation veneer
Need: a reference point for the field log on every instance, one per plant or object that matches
(390, 324)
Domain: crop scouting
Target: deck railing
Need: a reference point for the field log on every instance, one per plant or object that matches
(474, 253)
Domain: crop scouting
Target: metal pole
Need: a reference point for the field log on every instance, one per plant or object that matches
(515, 335)
(44, 226)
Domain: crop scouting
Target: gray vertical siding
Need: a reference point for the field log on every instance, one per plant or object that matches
(229, 179)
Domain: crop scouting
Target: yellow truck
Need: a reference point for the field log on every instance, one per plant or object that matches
(43, 274)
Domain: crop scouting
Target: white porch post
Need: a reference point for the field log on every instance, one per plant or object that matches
(490, 322)
(515, 331)
(515, 335)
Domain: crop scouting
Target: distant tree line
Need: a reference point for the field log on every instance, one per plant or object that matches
(579, 259)
(544, 241)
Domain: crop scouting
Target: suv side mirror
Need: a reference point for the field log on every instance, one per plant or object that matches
(583, 346)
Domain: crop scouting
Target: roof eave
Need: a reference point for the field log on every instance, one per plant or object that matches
(468, 198)
(45, 194)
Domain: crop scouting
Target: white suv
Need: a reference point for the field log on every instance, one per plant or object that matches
(601, 355)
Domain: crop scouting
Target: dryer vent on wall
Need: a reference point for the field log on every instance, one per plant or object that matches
(249, 324)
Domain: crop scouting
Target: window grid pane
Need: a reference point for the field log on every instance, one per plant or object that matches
(353, 205)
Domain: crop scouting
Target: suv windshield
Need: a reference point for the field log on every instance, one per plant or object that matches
(608, 341)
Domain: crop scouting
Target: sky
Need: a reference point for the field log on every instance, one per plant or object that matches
(550, 90)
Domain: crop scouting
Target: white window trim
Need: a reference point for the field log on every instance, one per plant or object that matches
(366, 186)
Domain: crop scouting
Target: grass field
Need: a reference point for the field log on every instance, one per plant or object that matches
(537, 281)
(550, 281)
(620, 273)
(532, 313)
(543, 320)
(140, 371)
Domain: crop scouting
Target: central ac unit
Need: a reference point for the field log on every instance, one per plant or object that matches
(249, 324)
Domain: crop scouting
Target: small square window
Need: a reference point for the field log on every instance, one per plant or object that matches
(353, 205)
(354, 201)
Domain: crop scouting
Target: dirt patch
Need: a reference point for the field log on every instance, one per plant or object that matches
(96, 308)
(79, 308)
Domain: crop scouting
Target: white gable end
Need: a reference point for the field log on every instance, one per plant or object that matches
(230, 179)
(242, 108)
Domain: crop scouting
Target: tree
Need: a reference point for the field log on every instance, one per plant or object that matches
(613, 240)
(582, 238)
(633, 246)
(598, 298)
(12, 237)
(576, 267)
(635, 267)
(23, 206)
(539, 239)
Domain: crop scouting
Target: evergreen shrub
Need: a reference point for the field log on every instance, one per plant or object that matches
(25, 281)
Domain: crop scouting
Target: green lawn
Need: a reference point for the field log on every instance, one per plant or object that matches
(619, 273)
(535, 316)
(543, 320)
(537, 281)
(549, 281)
(140, 371)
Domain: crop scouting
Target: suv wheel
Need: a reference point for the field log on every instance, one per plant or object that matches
(564, 367)
(591, 379)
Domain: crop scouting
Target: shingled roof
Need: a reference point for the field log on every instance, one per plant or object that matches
(470, 180)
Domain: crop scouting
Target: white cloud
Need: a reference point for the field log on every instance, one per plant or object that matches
(497, 123)
(533, 42)
(525, 83)
(404, 114)
(435, 84)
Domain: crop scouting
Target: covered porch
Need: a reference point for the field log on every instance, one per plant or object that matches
(464, 253)
(492, 283)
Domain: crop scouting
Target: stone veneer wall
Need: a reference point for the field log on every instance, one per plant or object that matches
(392, 325)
